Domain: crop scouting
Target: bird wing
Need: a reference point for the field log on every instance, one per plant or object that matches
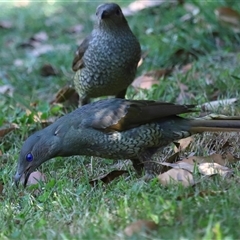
(78, 59)
(121, 115)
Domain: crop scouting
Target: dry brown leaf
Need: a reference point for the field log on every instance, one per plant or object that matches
(147, 80)
(140, 226)
(139, 5)
(4, 130)
(229, 17)
(183, 144)
(1, 188)
(6, 24)
(229, 158)
(214, 158)
(22, 3)
(35, 42)
(6, 89)
(48, 70)
(181, 176)
(42, 49)
(109, 177)
(180, 165)
(75, 29)
(209, 169)
(144, 82)
(187, 67)
(18, 62)
(217, 158)
(39, 37)
(64, 94)
(184, 94)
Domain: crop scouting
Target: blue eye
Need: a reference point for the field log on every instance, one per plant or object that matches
(29, 157)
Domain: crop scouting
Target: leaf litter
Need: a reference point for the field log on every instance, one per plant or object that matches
(147, 80)
(107, 178)
(183, 171)
(140, 226)
(228, 17)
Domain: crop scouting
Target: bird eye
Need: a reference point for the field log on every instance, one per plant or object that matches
(29, 157)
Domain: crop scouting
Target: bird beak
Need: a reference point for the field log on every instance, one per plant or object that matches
(105, 14)
(18, 176)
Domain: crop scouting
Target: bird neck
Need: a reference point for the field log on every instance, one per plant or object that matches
(113, 28)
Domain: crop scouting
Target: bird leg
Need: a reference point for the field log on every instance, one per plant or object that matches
(138, 166)
(144, 163)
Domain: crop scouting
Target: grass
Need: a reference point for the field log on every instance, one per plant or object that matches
(66, 206)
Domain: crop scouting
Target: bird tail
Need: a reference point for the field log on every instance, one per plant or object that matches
(219, 124)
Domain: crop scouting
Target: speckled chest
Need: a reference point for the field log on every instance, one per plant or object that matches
(111, 56)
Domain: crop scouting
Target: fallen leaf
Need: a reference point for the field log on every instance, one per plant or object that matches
(183, 144)
(6, 24)
(4, 130)
(181, 176)
(18, 62)
(139, 5)
(228, 17)
(22, 3)
(75, 29)
(209, 169)
(140, 226)
(39, 37)
(35, 41)
(180, 165)
(1, 188)
(144, 82)
(109, 177)
(217, 158)
(48, 70)
(230, 158)
(6, 89)
(41, 49)
(183, 95)
(187, 67)
(150, 78)
(64, 94)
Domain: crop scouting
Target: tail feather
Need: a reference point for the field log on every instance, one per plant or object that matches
(226, 125)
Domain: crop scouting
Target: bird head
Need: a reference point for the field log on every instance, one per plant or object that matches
(110, 13)
(37, 149)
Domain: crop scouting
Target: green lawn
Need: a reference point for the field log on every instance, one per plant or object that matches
(66, 206)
